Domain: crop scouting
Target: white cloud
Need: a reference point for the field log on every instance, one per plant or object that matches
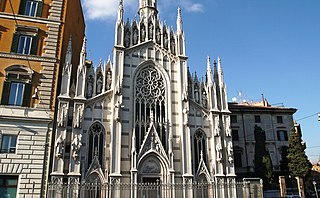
(107, 9)
(189, 6)
(104, 9)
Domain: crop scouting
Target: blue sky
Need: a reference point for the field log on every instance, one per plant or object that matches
(269, 47)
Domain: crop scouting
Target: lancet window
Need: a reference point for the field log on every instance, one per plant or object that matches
(150, 103)
(96, 139)
(200, 147)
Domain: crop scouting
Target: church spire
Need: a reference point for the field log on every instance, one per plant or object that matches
(120, 11)
(220, 72)
(209, 71)
(179, 21)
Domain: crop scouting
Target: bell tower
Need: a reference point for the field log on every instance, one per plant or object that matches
(147, 8)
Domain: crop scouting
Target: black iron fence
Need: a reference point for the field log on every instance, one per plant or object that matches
(245, 189)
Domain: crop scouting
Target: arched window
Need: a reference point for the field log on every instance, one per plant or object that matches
(200, 145)
(150, 92)
(96, 139)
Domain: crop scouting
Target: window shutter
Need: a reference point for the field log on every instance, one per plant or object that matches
(27, 95)
(5, 93)
(22, 6)
(39, 9)
(34, 45)
(15, 42)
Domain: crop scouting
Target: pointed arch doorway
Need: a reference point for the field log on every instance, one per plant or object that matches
(152, 173)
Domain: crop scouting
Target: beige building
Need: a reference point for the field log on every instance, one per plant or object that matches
(35, 36)
(275, 121)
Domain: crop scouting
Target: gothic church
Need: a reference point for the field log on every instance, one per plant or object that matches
(142, 117)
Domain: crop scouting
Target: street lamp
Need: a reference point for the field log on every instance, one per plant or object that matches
(315, 187)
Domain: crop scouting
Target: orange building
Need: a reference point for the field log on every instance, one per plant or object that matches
(36, 36)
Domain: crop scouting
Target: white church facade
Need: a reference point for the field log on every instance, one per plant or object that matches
(142, 117)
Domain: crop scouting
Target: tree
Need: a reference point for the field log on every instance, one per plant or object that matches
(262, 160)
(298, 163)
(284, 160)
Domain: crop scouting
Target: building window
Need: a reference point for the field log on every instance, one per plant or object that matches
(31, 8)
(24, 44)
(257, 119)
(200, 147)
(96, 139)
(8, 186)
(25, 40)
(16, 93)
(282, 135)
(235, 135)
(233, 119)
(17, 88)
(280, 119)
(8, 144)
(150, 104)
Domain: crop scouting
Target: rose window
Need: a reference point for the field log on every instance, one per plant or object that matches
(150, 98)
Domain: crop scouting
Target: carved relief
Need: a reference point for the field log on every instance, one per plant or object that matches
(228, 127)
(63, 113)
(151, 166)
(76, 145)
(230, 152)
(77, 120)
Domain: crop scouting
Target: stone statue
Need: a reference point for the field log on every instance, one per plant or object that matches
(219, 152)
(228, 127)
(127, 38)
(230, 152)
(150, 33)
(196, 94)
(78, 116)
(158, 35)
(63, 115)
(173, 45)
(165, 40)
(135, 36)
(185, 93)
(185, 113)
(204, 99)
(143, 33)
(117, 108)
(59, 146)
(76, 145)
(216, 126)
(109, 79)
(90, 87)
(99, 84)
